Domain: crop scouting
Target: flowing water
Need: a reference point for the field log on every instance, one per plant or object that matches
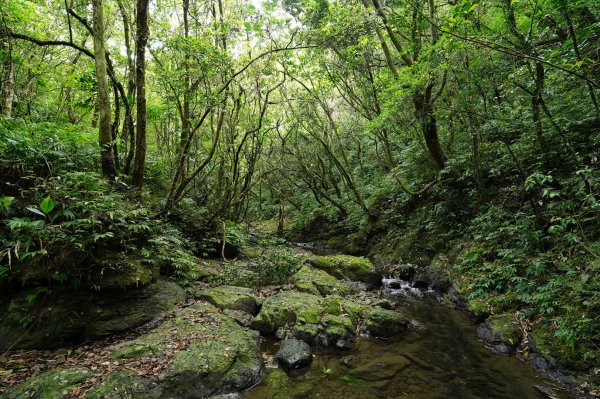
(442, 360)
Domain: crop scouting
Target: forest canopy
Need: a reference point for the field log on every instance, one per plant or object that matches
(400, 129)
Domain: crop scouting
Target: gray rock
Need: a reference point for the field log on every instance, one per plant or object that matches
(294, 354)
(77, 316)
(501, 333)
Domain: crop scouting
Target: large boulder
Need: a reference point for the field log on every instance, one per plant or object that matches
(329, 321)
(216, 355)
(501, 333)
(294, 354)
(74, 316)
(230, 297)
(350, 267)
(316, 282)
(287, 308)
(53, 384)
(125, 384)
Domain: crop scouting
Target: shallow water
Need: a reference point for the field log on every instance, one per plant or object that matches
(445, 360)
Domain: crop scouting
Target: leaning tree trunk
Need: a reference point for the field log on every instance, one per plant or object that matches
(425, 114)
(140, 83)
(105, 131)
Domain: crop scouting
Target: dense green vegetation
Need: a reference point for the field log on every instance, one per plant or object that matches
(463, 132)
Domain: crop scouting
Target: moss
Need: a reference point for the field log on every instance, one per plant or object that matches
(329, 321)
(53, 384)
(385, 323)
(125, 385)
(345, 266)
(479, 308)
(286, 308)
(129, 351)
(307, 332)
(230, 297)
(505, 327)
(315, 282)
(219, 353)
(125, 272)
(336, 305)
(337, 325)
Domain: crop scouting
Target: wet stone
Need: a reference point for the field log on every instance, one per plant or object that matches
(294, 354)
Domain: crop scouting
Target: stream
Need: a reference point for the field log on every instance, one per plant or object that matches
(440, 358)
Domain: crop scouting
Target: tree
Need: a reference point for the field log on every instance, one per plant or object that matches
(140, 84)
(104, 126)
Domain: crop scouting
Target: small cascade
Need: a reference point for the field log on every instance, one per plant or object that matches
(396, 287)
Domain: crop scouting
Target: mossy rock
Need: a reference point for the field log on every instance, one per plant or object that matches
(385, 323)
(220, 356)
(230, 297)
(501, 333)
(338, 331)
(336, 305)
(130, 351)
(285, 308)
(478, 309)
(53, 384)
(316, 282)
(125, 385)
(346, 266)
(329, 321)
(131, 274)
(76, 316)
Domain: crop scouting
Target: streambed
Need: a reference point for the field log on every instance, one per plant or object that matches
(441, 358)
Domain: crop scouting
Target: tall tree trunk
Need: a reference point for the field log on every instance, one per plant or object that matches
(105, 135)
(140, 84)
(128, 132)
(8, 83)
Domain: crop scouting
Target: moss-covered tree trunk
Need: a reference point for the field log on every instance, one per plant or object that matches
(104, 122)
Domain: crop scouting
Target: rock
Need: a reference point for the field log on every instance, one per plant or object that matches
(329, 321)
(338, 331)
(456, 298)
(478, 309)
(294, 354)
(229, 297)
(416, 325)
(76, 316)
(316, 282)
(130, 351)
(243, 319)
(385, 323)
(125, 385)
(53, 384)
(350, 267)
(125, 272)
(219, 355)
(285, 308)
(382, 303)
(501, 333)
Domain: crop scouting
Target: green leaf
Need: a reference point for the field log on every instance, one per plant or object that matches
(6, 201)
(47, 205)
(350, 378)
(35, 210)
